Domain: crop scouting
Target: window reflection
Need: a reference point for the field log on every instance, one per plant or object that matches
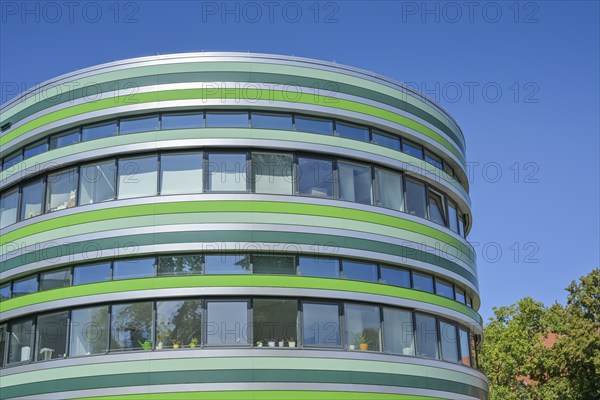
(131, 326)
(315, 177)
(321, 324)
(227, 323)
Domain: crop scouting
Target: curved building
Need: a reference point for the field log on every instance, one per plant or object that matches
(234, 226)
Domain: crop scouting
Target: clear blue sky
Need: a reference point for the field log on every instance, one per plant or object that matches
(522, 79)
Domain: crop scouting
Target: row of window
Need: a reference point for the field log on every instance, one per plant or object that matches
(240, 322)
(200, 119)
(188, 172)
(226, 264)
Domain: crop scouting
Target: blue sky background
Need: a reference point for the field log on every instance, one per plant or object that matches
(522, 79)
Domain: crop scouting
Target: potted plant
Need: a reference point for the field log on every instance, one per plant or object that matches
(161, 339)
(281, 343)
(291, 342)
(193, 343)
(363, 342)
(259, 343)
(175, 344)
(271, 342)
(351, 347)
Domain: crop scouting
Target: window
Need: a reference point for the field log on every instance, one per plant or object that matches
(227, 323)
(137, 177)
(32, 198)
(51, 336)
(64, 139)
(272, 173)
(395, 276)
(134, 125)
(443, 288)
(273, 264)
(352, 131)
(355, 182)
(12, 160)
(427, 341)
(55, 279)
(469, 302)
(449, 342)
(24, 286)
(436, 208)
(274, 320)
(8, 208)
(433, 159)
(382, 139)
(97, 182)
(178, 323)
(89, 331)
(359, 271)
(474, 360)
(461, 226)
(2, 344)
(465, 356)
(389, 189)
(35, 149)
(314, 125)
(422, 282)
(227, 172)
(363, 327)
(5, 292)
(179, 265)
(319, 267)
(459, 295)
(449, 170)
(182, 121)
(223, 264)
(91, 274)
(271, 121)
(181, 173)
(99, 131)
(20, 342)
(398, 331)
(136, 268)
(62, 190)
(131, 326)
(315, 177)
(415, 198)
(226, 120)
(452, 217)
(321, 325)
(412, 149)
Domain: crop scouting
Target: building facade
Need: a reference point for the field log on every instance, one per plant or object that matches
(234, 226)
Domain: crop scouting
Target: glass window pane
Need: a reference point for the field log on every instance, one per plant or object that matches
(412, 149)
(422, 282)
(182, 121)
(433, 159)
(99, 131)
(35, 149)
(51, 336)
(444, 289)
(395, 276)
(465, 356)
(355, 183)
(12, 159)
(319, 267)
(178, 323)
(64, 139)
(224, 264)
(131, 326)
(62, 190)
(89, 331)
(392, 142)
(436, 209)
(181, 173)
(134, 125)
(8, 208)
(363, 327)
(359, 271)
(449, 342)
(398, 331)
(20, 342)
(138, 177)
(352, 131)
(452, 217)
(24, 286)
(459, 295)
(97, 182)
(321, 325)
(91, 274)
(227, 172)
(5, 292)
(274, 320)
(389, 189)
(461, 226)
(415, 198)
(272, 173)
(179, 265)
(473, 352)
(271, 121)
(273, 264)
(470, 302)
(427, 341)
(55, 279)
(226, 120)
(136, 268)
(227, 323)
(315, 177)
(449, 170)
(2, 344)
(313, 125)
(32, 196)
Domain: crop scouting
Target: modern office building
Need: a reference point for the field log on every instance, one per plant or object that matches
(234, 226)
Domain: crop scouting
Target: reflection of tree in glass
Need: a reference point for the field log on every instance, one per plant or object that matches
(182, 321)
(269, 165)
(183, 265)
(131, 325)
(96, 331)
